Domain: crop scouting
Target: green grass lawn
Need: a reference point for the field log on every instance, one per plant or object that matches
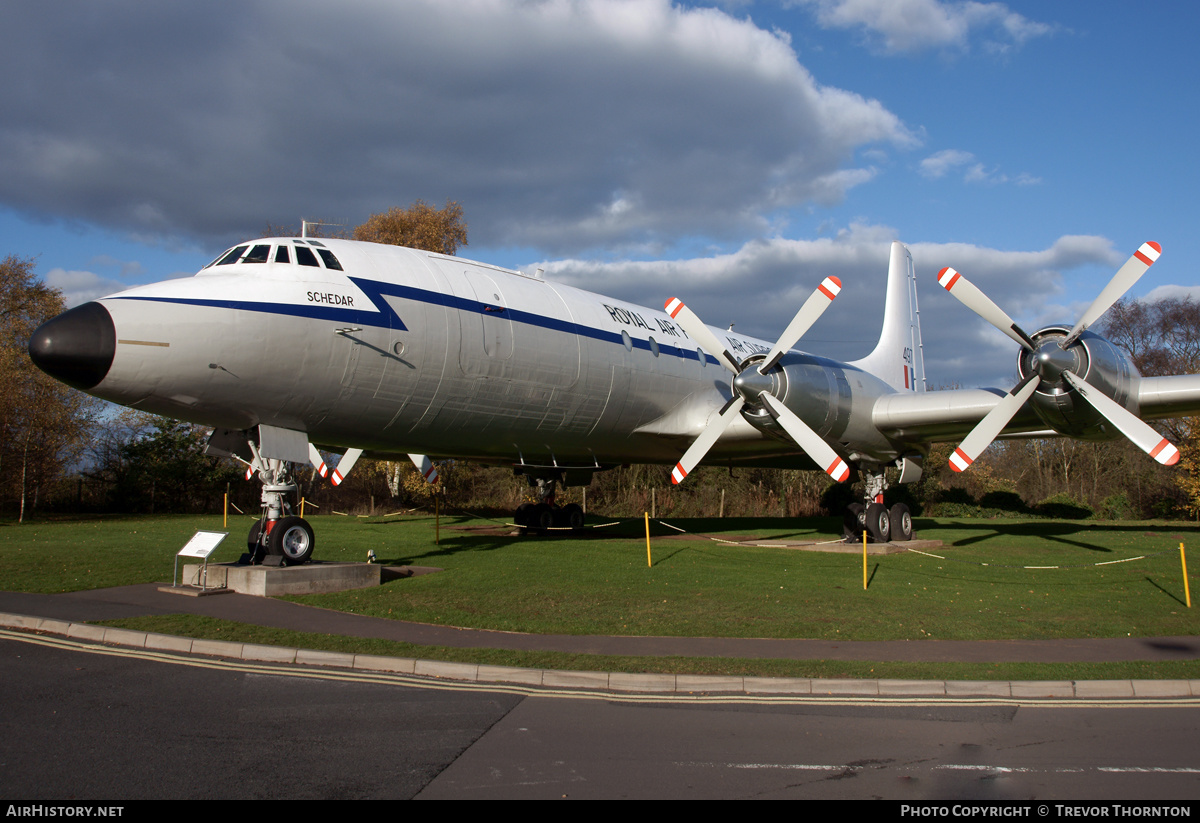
(600, 584)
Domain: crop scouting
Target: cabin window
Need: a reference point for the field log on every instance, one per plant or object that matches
(232, 256)
(281, 255)
(627, 340)
(258, 254)
(305, 257)
(700, 356)
(654, 347)
(331, 262)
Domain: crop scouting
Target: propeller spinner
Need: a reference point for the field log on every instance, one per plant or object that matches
(750, 387)
(1055, 361)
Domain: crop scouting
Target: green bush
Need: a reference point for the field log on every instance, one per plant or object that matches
(1005, 501)
(1065, 507)
(1115, 507)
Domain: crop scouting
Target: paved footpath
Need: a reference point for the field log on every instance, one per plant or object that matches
(65, 614)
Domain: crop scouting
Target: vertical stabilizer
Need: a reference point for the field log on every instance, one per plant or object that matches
(898, 358)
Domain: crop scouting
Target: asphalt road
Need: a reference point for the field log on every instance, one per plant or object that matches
(112, 724)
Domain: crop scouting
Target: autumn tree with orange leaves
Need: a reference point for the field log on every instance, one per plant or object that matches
(420, 226)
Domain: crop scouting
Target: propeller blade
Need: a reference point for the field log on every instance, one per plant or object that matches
(707, 438)
(345, 465)
(1144, 437)
(699, 332)
(425, 467)
(809, 313)
(318, 462)
(989, 428)
(1122, 282)
(807, 439)
(975, 300)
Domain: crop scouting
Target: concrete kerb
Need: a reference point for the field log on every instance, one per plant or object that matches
(619, 682)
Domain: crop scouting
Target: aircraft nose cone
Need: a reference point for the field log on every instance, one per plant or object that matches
(77, 347)
(1051, 361)
(750, 384)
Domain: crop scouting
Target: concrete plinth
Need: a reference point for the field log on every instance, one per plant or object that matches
(272, 581)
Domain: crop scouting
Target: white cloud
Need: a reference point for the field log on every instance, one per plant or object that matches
(81, 286)
(906, 26)
(941, 163)
(762, 284)
(209, 120)
(1167, 292)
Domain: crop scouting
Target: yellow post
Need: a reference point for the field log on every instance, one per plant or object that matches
(648, 564)
(1187, 594)
(437, 521)
(301, 506)
(864, 560)
(225, 520)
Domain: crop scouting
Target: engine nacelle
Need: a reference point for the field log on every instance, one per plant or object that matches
(821, 392)
(1090, 357)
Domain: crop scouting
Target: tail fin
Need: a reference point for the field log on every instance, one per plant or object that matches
(898, 358)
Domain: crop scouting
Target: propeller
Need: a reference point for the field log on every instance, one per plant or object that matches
(317, 461)
(345, 465)
(425, 467)
(749, 387)
(1053, 361)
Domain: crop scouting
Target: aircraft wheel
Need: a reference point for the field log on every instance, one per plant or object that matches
(901, 517)
(543, 516)
(879, 525)
(852, 522)
(294, 539)
(573, 515)
(522, 515)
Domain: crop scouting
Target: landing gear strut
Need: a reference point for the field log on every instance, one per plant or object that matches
(882, 525)
(279, 537)
(546, 514)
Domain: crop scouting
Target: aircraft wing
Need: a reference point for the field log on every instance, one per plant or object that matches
(951, 414)
(1176, 395)
(947, 416)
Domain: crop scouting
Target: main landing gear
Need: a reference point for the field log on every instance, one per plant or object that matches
(882, 525)
(546, 514)
(279, 537)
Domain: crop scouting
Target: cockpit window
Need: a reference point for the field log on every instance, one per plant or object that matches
(258, 254)
(331, 262)
(281, 255)
(305, 257)
(217, 258)
(232, 256)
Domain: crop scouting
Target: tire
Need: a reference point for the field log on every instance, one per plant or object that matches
(852, 522)
(572, 515)
(879, 525)
(543, 517)
(901, 517)
(523, 514)
(293, 538)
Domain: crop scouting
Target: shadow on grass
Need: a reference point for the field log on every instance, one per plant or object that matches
(1055, 530)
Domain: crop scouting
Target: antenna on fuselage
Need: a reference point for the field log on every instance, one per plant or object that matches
(304, 224)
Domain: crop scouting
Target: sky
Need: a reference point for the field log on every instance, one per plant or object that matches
(731, 154)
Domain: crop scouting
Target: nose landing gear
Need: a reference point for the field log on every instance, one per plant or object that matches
(279, 537)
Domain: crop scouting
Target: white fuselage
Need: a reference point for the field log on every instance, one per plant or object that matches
(404, 350)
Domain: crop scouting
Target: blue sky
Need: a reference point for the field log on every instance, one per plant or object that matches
(729, 154)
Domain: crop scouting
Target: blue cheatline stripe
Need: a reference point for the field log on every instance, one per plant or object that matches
(386, 316)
